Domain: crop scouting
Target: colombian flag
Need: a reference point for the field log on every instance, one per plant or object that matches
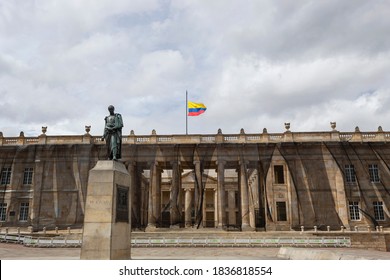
(195, 109)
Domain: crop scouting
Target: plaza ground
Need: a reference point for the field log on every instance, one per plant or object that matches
(10, 251)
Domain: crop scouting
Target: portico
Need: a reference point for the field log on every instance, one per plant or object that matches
(179, 196)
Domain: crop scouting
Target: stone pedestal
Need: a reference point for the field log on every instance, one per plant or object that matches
(107, 226)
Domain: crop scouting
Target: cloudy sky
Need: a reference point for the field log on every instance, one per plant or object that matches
(253, 63)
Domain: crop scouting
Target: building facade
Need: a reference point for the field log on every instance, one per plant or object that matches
(264, 181)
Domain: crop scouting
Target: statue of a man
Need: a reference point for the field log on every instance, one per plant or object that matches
(113, 134)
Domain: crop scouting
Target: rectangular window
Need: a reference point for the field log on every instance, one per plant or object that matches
(378, 211)
(281, 211)
(28, 176)
(23, 213)
(3, 212)
(374, 173)
(279, 174)
(6, 175)
(350, 176)
(354, 213)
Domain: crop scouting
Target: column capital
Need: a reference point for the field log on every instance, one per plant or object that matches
(220, 162)
(153, 162)
(156, 164)
(175, 162)
(245, 161)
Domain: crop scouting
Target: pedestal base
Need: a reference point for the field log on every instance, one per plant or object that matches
(107, 227)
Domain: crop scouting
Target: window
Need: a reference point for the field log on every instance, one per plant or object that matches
(6, 175)
(350, 176)
(28, 176)
(23, 214)
(281, 211)
(354, 213)
(3, 212)
(279, 174)
(374, 173)
(378, 211)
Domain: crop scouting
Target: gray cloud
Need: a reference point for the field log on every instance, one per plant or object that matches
(254, 64)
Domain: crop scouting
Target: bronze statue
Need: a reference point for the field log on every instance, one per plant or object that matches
(113, 134)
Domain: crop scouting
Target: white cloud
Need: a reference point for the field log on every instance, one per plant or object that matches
(285, 89)
(10, 65)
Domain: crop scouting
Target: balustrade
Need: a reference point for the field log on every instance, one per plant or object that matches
(264, 137)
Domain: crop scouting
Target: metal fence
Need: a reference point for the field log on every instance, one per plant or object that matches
(243, 242)
(30, 241)
(66, 241)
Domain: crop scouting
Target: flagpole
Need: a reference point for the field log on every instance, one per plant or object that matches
(186, 112)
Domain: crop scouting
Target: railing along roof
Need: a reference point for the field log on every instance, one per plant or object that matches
(265, 137)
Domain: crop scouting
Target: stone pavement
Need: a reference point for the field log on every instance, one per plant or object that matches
(19, 252)
(331, 254)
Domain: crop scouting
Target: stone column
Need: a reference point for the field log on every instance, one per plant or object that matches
(244, 196)
(37, 188)
(221, 193)
(215, 207)
(175, 207)
(204, 208)
(187, 207)
(198, 192)
(151, 218)
(144, 203)
(261, 196)
(158, 193)
(135, 198)
(232, 207)
(154, 205)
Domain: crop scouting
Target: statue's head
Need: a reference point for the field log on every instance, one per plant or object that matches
(111, 108)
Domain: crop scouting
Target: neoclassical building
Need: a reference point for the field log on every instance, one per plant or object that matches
(265, 181)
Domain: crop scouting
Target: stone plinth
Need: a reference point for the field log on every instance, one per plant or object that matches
(107, 225)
